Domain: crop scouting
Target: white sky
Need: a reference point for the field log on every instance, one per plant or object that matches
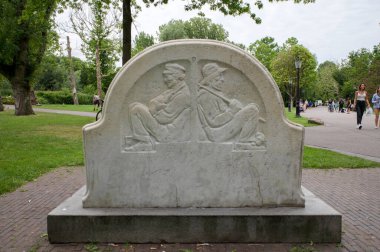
(330, 29)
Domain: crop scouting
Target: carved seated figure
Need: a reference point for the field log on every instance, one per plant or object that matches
(223, 119)
(166, 115)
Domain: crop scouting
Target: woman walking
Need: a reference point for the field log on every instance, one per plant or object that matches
(376, 106)
(360, 102)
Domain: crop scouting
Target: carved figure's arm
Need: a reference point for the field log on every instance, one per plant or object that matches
(216, 112)
(178, 103)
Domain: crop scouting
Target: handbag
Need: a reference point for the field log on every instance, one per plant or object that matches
(369, 111)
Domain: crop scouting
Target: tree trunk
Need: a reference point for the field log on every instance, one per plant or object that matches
(127, 30)
(98, 72)
(1, 104)
(72, 76)
(20, 84)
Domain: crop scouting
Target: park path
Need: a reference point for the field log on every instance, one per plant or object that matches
(355, 193)
(340, 134)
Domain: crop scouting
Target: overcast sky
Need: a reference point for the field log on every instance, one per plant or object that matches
(330, 29)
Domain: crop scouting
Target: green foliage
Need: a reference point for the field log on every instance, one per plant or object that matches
(265, 50)
(142, 41)
(361, 66)
(5, 87)
(283, 68)
(204, 28)
(197, 27)
(52, 74)
(62, 97)
(174, 29)
(327, 87)
(8, 100)
(85, 98)
(33, 145)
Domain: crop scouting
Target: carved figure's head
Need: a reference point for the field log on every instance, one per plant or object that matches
(213, 75)
(173, 73)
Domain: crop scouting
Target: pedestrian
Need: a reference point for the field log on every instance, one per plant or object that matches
(376, 106)
(348, 104)
(341, 104)
(360, 102)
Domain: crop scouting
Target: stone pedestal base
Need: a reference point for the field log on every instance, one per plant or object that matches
(317, 222)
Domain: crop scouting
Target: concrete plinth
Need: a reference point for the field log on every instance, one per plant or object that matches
(317, 222)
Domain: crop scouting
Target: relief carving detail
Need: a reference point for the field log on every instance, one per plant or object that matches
(224, 119)
(166, 115)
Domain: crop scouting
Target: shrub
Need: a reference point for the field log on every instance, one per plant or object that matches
(55, 97)
(8, 100)
(61, 97)
(84, 98)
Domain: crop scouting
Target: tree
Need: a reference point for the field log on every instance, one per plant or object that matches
(265, 50)
(356, 69)
(98, 31)
(175, 29)
(327, 87)
(198, 27)
(284, 71)
(142, 41)
(25, 26)
(227, 7)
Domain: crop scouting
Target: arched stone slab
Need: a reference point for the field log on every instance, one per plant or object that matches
(215, 137)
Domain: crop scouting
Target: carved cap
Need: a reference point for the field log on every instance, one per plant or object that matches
(212, 68)
(210, 71)
(174, 69)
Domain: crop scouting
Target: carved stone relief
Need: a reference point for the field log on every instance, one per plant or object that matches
(164, 116)
(222, 119)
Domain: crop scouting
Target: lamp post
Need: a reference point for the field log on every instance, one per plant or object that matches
(290, 95)
(298, 64)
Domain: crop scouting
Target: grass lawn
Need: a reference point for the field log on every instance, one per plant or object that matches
(326, 159)
(33, 145)
(83, 108)
(300, 120)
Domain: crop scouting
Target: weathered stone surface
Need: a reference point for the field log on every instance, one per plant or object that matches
(316, 222)
(193, 123)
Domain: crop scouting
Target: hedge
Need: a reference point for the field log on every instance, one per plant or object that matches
(61, 97)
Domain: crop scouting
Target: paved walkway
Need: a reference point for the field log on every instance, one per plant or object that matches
(353, 192)
(340, 133)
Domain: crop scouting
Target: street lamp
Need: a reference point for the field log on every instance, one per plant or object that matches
(298, 64)
(290, 95)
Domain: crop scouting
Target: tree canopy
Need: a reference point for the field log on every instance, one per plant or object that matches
(197, 27)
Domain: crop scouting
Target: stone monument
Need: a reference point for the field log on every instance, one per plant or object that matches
(193, 146)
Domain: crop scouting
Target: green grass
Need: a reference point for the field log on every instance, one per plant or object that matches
(33, 145)
(83, 108)
(300, 120)
(326, 159)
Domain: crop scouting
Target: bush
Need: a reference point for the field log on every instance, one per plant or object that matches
(61, 97)
(8, 100)
(55, 97)
(84, 98)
